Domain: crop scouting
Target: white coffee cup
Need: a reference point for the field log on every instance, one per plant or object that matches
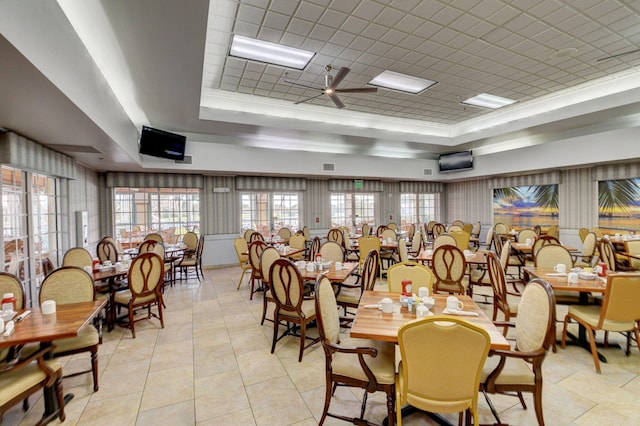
(338, 266)
(107, 263)
(572, 277)
(560, 268)
(386, 305)
(454, 304)
(467, 253)
(528, 241)
(423, 292)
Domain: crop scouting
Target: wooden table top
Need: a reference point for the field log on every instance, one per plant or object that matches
(333, 275)
(373, 324)
(561, 282)
(477, 258)
(67, 321)
(526, 248)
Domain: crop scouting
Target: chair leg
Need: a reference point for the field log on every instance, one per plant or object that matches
(275, 330)
(60, 397)
(564, 331)
(94, 369)
(303, 329)
(327, 400)
(241, 277)
(594, 349)
(131, 323)
(391, 395)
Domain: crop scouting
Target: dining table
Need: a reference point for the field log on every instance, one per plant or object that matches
(110, 276)
(67, 321)
(334, 275)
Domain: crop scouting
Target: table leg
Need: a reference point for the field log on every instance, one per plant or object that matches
(51, 408)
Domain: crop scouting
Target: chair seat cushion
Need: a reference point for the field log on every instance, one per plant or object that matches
(515, 371)
(349, 295)
(123, 298)
(186, 262)
(382, 366)
(13, 383)
(590, 314)
(308, 309)
(88, 337)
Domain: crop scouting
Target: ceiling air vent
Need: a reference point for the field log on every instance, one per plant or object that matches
(328, 167)
(427, 172)
(188, 159)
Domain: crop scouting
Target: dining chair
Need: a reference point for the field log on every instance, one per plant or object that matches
(336, 234)
(366, 229)
(192, 262)
(153, 246)
(403, 253)
(462, 239)
(411, 231)
(458, 222)
(429, 229)
(416, 244)
(349, 295)
(365, 245)
(537, 229)
(393, 226)
(477, 228)
(520, 369)
(331, 251)
(107, 250)
(454, 228)
(306, 233)
(77, 256)
(501, 228)
(47, 266)
(314, 249)
(632, 252)
(420, 276)
(427, 385)
(365, 364)
(449, 267)
(620, 311)
(268, 256)
(297, 242)
(284, 234)
(438, 229)
(549, 256)
(479, 275)
(23, 374)
(255, 236)
(443, 240)
(526, 234)
(155, 237)
(380, 229)
(241, 247)
(145, 278)
(501, 300)
(616, 262)
(9, 283)
(488, 242)
(190, 240)
(585, 258)
(72, 284)
(554, 231)
(582, 233)
(247, 235)
(541, 241)
(292, 307)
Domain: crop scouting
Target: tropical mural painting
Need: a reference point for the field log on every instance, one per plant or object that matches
(526, 206)
(619, 204)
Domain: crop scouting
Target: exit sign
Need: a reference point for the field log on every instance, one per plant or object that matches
(358, 183)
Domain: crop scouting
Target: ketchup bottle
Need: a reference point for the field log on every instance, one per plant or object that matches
(9, 302)
(406, 288)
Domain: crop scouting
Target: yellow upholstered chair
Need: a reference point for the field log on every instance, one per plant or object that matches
(632, 252)
(292, 307)
(444, 240)
(365, 245)
(620, 311)
(586, 256)
(520, 369)
(454, 228)
(582, 232)
(331, 251)
(155, 237)
(554, 231)
(21, 376)
(242, 253)
(9, 283)
(420, 276)
(297, 242)
(268, 256)
(462, 239)
(427, 385)
(145, 277)
(77, 256)
(365, 364)
(72, 284)
(449, 267)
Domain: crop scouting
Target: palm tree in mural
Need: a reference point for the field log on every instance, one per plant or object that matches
(617, 195)
(546, 197)
(505, 194)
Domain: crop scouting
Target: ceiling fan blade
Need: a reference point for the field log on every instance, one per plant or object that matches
(340, 76)
(302, 85)
(336, 100)
(308, 99)
(358, 90)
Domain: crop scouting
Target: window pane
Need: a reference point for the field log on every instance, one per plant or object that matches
(408, 210)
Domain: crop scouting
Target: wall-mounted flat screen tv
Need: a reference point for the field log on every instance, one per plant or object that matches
(455, 161)
(160, 143)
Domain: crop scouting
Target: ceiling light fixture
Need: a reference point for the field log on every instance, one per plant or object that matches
(401, 82)
(486, 100)
(272, 53)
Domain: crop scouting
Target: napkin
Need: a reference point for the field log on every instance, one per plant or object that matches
(371, 306)
(457, 312)
(556, 274)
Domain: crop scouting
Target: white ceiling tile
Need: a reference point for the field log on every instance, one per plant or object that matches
(333, 19)
(355, 25)
(309, 12)
(322, 33)
(368, 10)
(389, 17)
(374, 31)
(250, 14)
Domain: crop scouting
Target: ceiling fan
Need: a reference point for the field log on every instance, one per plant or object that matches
(330, 86)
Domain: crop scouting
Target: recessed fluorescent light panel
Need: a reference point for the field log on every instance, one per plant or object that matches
(272, 53)
(401, 82)
(486, 100)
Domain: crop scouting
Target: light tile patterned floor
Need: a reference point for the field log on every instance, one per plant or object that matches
(211, 365)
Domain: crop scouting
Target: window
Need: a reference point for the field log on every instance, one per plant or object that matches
(266, 211)
(31, 231)
(352, 210)
(169, 211)
(418, 208)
